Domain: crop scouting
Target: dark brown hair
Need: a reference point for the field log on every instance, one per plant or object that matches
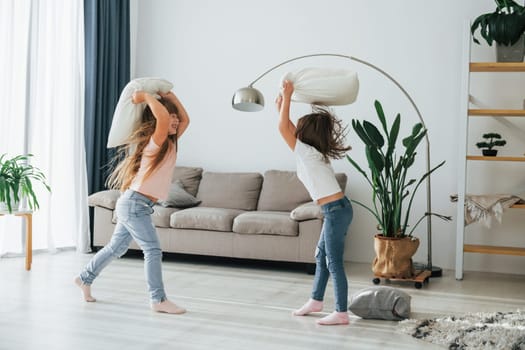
(131, 153)
(322, 130)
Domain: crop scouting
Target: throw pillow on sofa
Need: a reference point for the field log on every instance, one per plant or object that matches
(189, 176)
(105, 199)
(307, 211)
(179, 198)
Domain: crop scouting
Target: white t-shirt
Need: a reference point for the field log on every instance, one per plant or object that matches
(316, 174)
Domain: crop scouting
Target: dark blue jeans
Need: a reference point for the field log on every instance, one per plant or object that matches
(329, 253)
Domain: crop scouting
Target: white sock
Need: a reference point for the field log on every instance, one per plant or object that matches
(334, 318)
(310, 306)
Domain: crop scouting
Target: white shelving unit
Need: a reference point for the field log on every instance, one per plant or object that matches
(467, 113)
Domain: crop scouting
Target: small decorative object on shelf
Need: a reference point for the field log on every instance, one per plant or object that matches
(493, 140)
(505, 26)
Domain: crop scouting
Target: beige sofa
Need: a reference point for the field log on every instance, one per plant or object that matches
(240, 215)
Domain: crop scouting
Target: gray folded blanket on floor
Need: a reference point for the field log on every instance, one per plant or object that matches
(483, 208)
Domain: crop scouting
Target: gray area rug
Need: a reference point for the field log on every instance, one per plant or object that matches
(497, 330)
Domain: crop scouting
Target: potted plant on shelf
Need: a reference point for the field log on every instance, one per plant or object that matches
(492, 140)
(505, 26)
(17, 178)
(392, 193)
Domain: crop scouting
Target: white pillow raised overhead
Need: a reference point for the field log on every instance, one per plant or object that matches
(127, 115)
(327, 86)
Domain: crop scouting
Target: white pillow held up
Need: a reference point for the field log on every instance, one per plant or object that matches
(127, 115)
(327, 86)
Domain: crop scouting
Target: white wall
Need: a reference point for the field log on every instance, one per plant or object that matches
(208, 49)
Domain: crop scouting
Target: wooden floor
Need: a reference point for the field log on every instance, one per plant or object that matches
(230, 306)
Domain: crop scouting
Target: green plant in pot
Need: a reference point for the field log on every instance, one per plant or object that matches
(392, 192)
(492, 140)
(506, 27)
(17, 178)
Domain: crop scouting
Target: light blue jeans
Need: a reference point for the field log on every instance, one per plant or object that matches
(134, 222)
(329, 253)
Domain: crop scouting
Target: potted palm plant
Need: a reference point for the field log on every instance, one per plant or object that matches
(392, 192)
(17, 177)
(506, 27)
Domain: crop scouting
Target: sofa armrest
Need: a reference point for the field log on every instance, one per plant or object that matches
(106, 199)
(307, 211)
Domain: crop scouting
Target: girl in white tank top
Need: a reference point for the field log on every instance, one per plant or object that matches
(319, 137)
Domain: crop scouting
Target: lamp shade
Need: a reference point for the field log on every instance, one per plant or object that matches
(248, 99)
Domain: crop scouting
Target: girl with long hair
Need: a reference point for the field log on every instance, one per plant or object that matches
(143, 176)
(317, 138)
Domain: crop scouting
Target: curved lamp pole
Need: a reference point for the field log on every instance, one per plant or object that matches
(249, 99)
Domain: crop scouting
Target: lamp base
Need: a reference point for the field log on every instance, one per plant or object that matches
(435, 271)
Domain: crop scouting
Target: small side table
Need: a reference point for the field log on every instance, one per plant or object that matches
(28, 214)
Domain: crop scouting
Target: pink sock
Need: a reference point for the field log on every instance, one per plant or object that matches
(334, 318)
(86, 290)
(310, 306)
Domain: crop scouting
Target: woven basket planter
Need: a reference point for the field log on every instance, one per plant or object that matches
(394, 256)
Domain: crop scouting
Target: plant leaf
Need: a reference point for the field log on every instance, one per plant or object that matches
(375, 160)
(373, 134)
(381, 115)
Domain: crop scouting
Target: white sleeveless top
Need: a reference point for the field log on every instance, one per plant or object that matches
(316, 174)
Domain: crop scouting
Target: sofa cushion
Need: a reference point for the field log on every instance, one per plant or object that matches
(189, 176)
(160, 217)
(106, 199)
(341, 180)
(230, 190)
(266, 223)
(205, 218)
(179, 198)
(283, 191)
(307, 211)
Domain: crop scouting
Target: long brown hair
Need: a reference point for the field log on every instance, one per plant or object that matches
(322, 130)
(128, 157)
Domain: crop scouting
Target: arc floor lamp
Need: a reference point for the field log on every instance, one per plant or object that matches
(249, 99)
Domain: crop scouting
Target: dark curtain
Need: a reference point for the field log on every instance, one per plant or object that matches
(107, 70)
